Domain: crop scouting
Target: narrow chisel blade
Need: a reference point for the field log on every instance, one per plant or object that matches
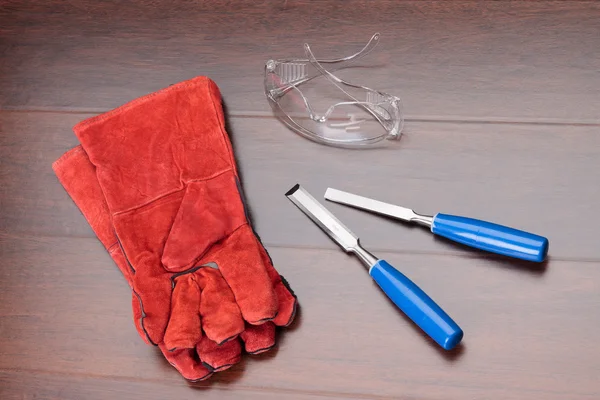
(364, 203)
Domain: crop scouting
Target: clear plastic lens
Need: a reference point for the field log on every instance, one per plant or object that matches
(312, 101)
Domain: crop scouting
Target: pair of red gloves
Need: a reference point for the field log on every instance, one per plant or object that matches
(157, 181)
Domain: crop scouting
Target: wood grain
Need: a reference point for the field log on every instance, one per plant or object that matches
(520, 326)
(525, 61)
(19, 385)
(503, 124)
(537, 178)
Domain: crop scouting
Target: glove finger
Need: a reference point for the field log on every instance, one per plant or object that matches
(259, 338)
(219, 357)
(185, 361)
(184, 328)
(288, 302)
(241, 265)
(221, 317)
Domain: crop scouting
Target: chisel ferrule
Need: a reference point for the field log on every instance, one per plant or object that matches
(367, 258)
(425, 220)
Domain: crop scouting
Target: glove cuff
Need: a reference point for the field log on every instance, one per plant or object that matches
(78, 176)
(154, 145)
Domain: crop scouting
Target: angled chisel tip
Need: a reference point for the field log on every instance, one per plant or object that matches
(322, 217)
(292, 190)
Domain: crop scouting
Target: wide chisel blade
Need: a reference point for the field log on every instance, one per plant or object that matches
(323, 218)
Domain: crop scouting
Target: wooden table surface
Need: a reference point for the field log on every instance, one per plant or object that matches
(502, 103)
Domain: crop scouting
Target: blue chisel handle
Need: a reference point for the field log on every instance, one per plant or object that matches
(415, 303)
(491, 237)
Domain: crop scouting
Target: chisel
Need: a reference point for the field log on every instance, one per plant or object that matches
(407, 296)
(472, 232)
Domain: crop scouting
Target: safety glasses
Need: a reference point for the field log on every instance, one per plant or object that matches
(307, 97)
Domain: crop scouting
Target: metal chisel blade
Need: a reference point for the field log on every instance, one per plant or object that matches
(365, 203)
(323, 218)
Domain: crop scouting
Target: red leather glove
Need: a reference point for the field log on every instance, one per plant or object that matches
(78, 177)
(165, 166)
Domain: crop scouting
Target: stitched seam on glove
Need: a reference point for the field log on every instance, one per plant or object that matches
(162, 196)
(66, 156)
(111, 248)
